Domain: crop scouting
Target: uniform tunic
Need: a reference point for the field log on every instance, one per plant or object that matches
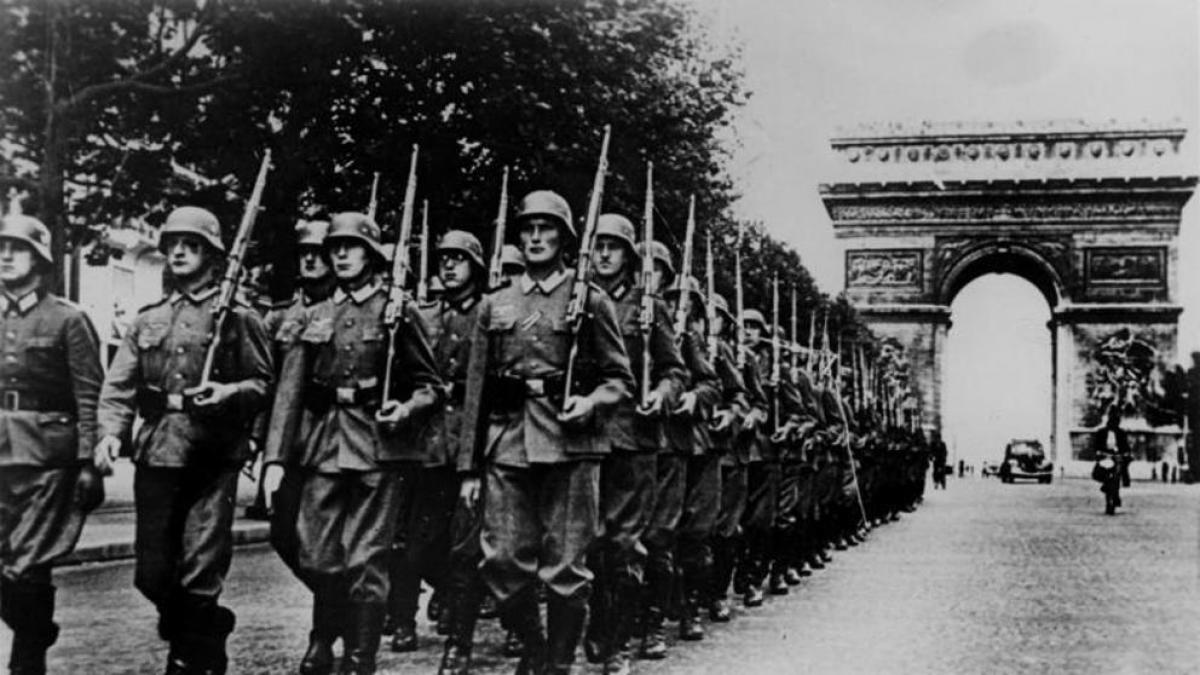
(50, 378)
(187, 463)
(323, 426)
(541, 491)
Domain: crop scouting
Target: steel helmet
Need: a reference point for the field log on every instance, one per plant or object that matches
(359, 227)
(511, 255)
(691, 286)
(618, 226)
(311, 232)
(548, 204)
(755, 316)
(722, 306)
(658, 251)
(192, 220)
(465, 242)
(30, 230)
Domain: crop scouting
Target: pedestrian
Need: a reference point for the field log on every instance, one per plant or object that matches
(628, 475)
(539, 436)
(352, 446)
(48, 483)
(940, 455)
(193, 437)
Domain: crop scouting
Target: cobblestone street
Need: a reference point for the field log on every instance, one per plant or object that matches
(984, 577)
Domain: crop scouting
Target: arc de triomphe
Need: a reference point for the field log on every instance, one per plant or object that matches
(1089, 214)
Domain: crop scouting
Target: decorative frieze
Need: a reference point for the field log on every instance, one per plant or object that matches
(1126, 265)
(888, 268)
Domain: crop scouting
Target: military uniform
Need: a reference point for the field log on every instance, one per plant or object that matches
(49, 382)
(323, 428)
(628, 475)
(541, 482)
(186, 462)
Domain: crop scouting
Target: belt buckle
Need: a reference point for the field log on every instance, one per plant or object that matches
(11, 400)
(535, 387)
(345, 395)
(174, 402)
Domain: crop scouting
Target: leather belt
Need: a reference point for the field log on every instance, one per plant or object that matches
(16, 400)
(319, 398)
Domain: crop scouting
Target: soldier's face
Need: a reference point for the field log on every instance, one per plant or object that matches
(454, 269)
(313, 266)
(17, 262)
(753, 332)
(541, 241)
(349, 258)
(609, 256)
(660, 276)
(719, 323)
(185, 254)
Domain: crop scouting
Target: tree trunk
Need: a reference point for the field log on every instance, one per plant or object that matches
(51, 198)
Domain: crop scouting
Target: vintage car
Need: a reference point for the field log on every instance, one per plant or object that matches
(1025, 460)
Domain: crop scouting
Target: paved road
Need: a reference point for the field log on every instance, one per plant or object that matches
(983, 578)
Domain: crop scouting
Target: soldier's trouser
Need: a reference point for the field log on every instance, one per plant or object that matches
(539, 522)
(618, 556)
(662, 535)
(787, 512)
(727, 532)
(346, 527)
(184, 537)
(39, 522)
(701, 507)
(428, 502)
(285, 509)
(762, 481)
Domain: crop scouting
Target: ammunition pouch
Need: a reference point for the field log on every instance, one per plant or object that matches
(153, 403)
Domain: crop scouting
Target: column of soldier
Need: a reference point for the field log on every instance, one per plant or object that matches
(608, 439)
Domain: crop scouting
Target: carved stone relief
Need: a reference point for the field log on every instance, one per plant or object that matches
(891, 268)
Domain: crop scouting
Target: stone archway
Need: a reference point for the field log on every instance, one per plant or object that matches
(1089, 215)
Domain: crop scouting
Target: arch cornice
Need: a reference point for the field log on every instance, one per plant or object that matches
(1000, 255)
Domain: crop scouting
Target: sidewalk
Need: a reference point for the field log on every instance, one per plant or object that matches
(109, 531)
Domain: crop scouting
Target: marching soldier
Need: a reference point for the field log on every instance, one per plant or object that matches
(442, 543)
(539, 444)
(48, 484)
(331, 426)
(794, 493)
(734, 457)
(192, 441)
(688, 434)
(627, 476)
(315, 283)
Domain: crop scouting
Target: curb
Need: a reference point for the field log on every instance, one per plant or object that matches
(244, 533)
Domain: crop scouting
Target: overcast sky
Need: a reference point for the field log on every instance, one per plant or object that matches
(816, 65)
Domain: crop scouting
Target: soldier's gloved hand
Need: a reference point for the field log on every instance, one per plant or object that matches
(392, 414)
(722, 420)
(468, 492)
(105, 454)
(577, 410)
(687, 403)
(653, 404)
(206, 397)
(89, 489)
(783, 433)
(753, 418)
(271, 478)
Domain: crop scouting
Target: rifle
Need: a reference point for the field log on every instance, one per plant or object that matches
(795, 347)
(811, 365)
(775, 349)
(496, 272)
(423, 276)
(710, 294)
(393, 311)
(374, 203)
(684, 302)
(237, 258)
(579, 289)
(739, 299)
(646, 319)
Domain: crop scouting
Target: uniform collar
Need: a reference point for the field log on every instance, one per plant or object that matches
(21, 305)
(462, 305)
(195, 298)
(359, 295)
(621, 289)
(546, 286)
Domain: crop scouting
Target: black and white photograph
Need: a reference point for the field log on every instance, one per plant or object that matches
(599, 337)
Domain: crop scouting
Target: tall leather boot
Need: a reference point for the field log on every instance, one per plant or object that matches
(626, 603)
(596, 640)
(327, 621)
(403, 597)
(565, 618)
(29, 611)
(462, 614)
(690, 626)
(366, 623)
(717, 592)
(658, 594)
(521, 615)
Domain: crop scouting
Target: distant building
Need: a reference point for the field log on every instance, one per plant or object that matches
(112, 293)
